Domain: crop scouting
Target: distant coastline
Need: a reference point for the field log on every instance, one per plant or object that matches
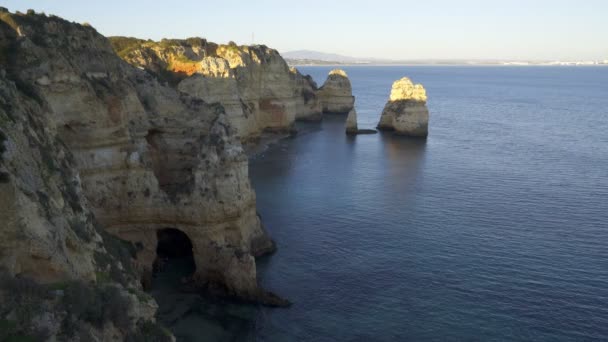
(312, 58)
(300, 62)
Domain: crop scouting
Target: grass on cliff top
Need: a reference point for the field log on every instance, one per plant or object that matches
(125, 45)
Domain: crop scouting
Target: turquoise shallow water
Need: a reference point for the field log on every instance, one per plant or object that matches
(494, 229)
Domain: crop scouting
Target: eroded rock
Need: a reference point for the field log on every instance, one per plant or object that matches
(406, 112)
(133, 154)
(336, 94)
(253, 83)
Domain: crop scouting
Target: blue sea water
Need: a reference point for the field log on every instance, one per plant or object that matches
(493, 229)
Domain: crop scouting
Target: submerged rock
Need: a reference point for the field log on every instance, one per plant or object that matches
(336, 94)
(406, 112)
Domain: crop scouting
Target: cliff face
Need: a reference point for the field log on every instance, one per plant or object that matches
(308, 104)
(57, 267)
(88, 138)
(406, 113)
(336, 94)
(253, 83)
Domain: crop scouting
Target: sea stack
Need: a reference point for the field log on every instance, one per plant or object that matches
(336, 94)
(352, 128)
(351, 122)
(406, 113)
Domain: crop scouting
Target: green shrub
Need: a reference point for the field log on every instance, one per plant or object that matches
(149, 332)
(97, 305)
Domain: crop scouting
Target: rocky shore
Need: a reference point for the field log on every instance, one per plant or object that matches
(113, 150)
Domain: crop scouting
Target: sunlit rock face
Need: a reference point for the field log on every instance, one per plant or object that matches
(406, 112)
(336, 94)
(145, 156)
(253, 83)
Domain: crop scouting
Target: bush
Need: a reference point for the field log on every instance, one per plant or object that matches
(98, 305)
(149, 332)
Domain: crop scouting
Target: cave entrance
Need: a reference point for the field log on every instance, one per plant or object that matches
(174, 262)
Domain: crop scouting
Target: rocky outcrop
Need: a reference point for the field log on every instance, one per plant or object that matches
(406, 112)
(92, 145)
(308, 105)
(352, 126)
(351, 122)
(253, 83)
(336, 94)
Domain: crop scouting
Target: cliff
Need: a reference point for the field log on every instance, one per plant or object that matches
(406, 112)
(336, 94)
(93, 149)
(253, 83)
(308, 104)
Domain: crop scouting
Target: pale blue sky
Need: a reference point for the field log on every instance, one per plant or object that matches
(399, 29)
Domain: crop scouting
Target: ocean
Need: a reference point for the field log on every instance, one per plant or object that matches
(493, 229)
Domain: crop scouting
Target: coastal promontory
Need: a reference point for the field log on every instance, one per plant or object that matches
(101, 161)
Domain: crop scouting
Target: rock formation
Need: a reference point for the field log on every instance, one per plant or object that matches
(61, 276)
(351, 122)
(336, 94)
(91, 145)
(406, 113)
(352, 126)
(253, 83)
(308, 105)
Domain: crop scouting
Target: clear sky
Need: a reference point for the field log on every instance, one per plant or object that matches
(398, 29)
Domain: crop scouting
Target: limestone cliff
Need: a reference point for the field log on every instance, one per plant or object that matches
(406, 112)
(61, 276)
(336, 94)
(253, 83)
(88, 140)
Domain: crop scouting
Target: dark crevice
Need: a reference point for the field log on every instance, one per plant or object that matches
(174, 247)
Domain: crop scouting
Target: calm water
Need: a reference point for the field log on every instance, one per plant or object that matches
(495, 228)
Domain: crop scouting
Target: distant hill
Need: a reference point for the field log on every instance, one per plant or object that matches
(310, 57)
(317, 57)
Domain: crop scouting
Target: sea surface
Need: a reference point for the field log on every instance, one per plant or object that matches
(493, 229)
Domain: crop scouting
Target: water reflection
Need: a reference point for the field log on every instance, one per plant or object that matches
(405, 158)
